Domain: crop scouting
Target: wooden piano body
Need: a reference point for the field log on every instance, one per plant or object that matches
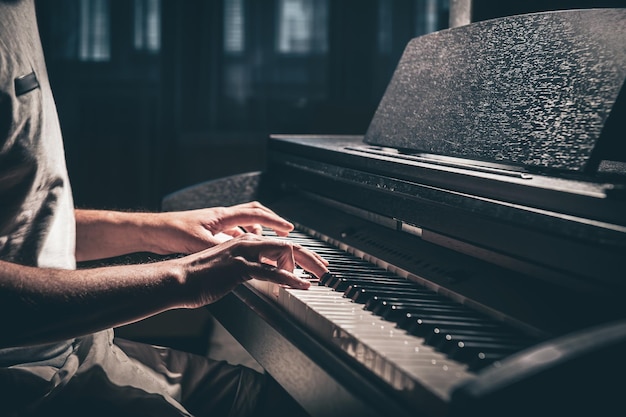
(492, 181)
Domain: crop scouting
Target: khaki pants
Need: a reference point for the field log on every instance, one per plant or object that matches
(119, 378)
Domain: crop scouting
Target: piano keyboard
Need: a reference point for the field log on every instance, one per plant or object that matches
(408, 335)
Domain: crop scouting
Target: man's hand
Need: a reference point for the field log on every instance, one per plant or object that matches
(55, 304)
(104, 234)
(209, 275)
(195, 230)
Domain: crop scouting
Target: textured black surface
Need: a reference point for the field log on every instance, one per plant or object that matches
(532, 89)
(226, 191)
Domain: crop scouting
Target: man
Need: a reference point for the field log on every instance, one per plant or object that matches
(57, 350)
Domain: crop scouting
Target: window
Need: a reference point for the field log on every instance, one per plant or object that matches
(147, 25)
(432, 15)
(234, 26)
(95, 31)
(394, 28)
(385, 23)
(287, 65)
(302, 27)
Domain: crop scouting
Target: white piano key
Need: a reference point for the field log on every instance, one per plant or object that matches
(400, 359)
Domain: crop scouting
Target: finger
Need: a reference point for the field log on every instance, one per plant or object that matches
(287, 254)
(235, 231)
(277, 275)
(257, 205)
(256, 229)
(256, 216)
(284, 254)
(221, 237)
(320, 258)
(280, 252)
(267, 261)
(310, 261)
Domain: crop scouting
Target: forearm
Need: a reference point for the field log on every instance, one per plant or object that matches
(40, 305)
(103, 234)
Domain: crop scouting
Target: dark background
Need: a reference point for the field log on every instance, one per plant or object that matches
(145, 117)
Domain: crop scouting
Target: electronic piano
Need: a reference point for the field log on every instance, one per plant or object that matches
(476, 232)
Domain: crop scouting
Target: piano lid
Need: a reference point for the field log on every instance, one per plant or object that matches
(532, 90)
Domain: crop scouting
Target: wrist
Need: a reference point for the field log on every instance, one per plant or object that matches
(139, 231)
(150, 231)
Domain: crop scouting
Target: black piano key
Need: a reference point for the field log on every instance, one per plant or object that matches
(404, 305)
(342, 283)
(470, 351)
(341, 256)
(366, 276)
(360, 293)
(314, 245)
(451, 344)
(454, 317)
(484, 359)
(348, 268)
(326, 277)
(423, 326)
(356, 274)
(334, 253)
(332, 280)
(397, 311)
(397, 314)
(353, 269)
(341, 259)
(426, 299)
(415, 301)
(373, 289)
(448, 326)
(442, 335)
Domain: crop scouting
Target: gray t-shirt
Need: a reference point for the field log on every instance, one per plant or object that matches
(37, 228)
(37, 225)
(91, 374)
